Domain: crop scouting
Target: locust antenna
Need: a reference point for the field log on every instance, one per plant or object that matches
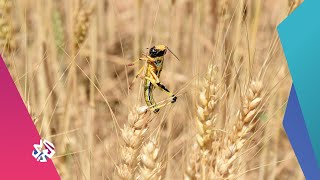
(173, 53)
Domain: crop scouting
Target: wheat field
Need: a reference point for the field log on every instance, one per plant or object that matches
(69, 61)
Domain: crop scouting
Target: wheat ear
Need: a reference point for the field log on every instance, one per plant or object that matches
(150, 167)
(6, 29)
(133, 136)
(81, 25)
(245, 125)
(205, 119)
(193, 165)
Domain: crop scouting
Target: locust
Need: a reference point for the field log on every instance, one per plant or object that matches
(152, 71)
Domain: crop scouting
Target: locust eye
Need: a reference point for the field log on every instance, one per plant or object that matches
(153, 52)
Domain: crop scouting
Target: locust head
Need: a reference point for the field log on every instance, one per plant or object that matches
(160, 51)
(157, 51)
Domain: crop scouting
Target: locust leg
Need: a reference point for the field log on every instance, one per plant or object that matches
(156, 82)
(140, 59)
(148, 95)
(138, 75)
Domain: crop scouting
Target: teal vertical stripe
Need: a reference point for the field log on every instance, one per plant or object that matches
(300, 37)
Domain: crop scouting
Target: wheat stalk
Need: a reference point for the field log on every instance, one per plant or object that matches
(244, 126)
(133, 136)
(150, 167)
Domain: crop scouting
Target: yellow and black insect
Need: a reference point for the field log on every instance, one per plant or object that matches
(154, 60)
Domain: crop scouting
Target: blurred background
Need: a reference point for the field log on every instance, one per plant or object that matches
(68, 60)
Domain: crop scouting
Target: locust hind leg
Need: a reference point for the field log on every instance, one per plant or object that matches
(149, 97)
(158, 84)
(163, 88)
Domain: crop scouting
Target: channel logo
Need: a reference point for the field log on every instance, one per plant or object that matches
(43, 151)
